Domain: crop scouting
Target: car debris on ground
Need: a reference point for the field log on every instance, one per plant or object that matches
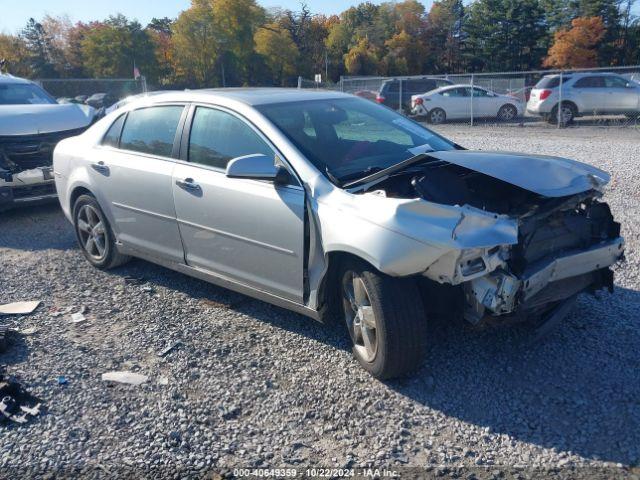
(166, 351)
(130, 378)
(16, 404)
(19, 308)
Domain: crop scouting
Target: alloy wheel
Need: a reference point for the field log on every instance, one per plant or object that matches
(359, 315)
(508, 113)
(92, 233)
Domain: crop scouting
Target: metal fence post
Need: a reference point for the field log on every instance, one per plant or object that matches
(471, 109)
(400, 99)
(560, 102)
(299, 81)
(341, 84)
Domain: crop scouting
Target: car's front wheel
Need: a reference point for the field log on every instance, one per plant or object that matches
(94, 234)
(385, 319)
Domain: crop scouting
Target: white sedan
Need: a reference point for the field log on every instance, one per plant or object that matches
(464, 101)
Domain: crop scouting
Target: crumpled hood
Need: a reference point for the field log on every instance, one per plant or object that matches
(547, 176)
(34, 119)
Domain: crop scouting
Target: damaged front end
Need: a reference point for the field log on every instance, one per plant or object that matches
(564, 237)
(26, 172)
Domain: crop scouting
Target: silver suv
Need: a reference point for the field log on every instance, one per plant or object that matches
(584, 94)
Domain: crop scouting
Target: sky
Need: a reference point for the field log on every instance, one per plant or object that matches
(15, 13)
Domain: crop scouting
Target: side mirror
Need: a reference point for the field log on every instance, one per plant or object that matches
(257, 167)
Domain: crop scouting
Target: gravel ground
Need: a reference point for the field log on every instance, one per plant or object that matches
(256, 386)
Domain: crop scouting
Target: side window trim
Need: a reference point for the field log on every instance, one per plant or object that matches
(124, 120)
(186, 135)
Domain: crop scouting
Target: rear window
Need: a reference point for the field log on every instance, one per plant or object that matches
(552, 82)
(151, 130)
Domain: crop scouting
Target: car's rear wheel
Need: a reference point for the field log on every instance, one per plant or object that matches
(507, 113)
(567, 114)
(385, 319)
(94, 234)
(437, 116)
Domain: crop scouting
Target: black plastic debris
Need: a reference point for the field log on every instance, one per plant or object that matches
(3, 338)
(16, 404)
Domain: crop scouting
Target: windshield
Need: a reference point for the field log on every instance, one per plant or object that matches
(351, 137)
(23, 94)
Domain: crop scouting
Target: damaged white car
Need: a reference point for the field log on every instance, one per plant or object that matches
(31, 124)
(333, 206)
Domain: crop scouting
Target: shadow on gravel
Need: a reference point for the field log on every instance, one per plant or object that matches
(152, 275)
(17, 350)
(40, 227)
(576, 390)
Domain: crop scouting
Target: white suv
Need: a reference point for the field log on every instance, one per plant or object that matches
(584, 94)
(31, 124)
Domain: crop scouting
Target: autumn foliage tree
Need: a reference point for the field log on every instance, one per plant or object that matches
(577, 47)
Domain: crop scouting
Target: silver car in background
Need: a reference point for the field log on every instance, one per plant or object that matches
(584, 94)
(335, 207)
(461, 102)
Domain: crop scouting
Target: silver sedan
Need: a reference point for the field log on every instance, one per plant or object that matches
(335, 207)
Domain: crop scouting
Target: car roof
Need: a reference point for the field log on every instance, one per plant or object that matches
(4, 78)
(582, 74)
(250, 96)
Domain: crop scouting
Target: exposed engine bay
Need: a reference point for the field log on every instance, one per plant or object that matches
(566, 244)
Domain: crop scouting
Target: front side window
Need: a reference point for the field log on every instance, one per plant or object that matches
(218, 137)
(24, 94)
(351, 136)
(112, 137)
(615, 82)
(151, 130)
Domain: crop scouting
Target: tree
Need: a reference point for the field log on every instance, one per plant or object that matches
(278, 49)
(504, 35)
(111, 48)
(39, 50)
(443, 36)
(577, 47)
(362, 59)
(236, 22)
(13, 50)
(404, 55)
(160, 32)
(196, 45)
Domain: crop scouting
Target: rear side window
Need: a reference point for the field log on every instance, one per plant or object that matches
(421, 86)
(589, 82)
(456, 92)
(151, 130)
(112, 138)
(552, 82)
(218, 137)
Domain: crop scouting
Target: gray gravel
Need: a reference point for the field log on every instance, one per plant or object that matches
(252, 385)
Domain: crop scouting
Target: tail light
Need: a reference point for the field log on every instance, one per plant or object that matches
(418, 101)
(380, 99)
(544, 94)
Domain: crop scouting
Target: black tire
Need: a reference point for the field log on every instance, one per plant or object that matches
(400, 321)
(101, 251)
(569, 114)
(437, 116)
(507, 113)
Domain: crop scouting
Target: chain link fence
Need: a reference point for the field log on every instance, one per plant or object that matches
(557, 98)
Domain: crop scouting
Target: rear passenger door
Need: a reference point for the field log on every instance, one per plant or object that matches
(133, 172)
(624, 98)
(250, 231)
(591, 95)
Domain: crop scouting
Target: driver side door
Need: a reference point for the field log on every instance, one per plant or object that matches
(249, 231)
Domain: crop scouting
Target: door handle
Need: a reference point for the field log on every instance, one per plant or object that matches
(100, 167)
(188, 184)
